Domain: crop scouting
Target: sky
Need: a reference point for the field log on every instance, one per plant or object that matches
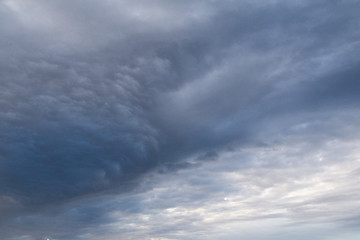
(179, 120)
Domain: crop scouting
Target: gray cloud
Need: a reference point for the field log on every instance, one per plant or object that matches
(97, 95)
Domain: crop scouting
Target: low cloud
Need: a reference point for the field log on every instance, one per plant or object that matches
(192, 114)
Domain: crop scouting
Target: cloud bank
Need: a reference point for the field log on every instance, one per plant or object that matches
(179, 119)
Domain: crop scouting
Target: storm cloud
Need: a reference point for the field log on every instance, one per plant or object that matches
(179, 119)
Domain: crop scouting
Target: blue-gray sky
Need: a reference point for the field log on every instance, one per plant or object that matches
(179, 120)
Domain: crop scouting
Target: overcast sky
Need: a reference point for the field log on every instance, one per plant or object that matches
(179, 119)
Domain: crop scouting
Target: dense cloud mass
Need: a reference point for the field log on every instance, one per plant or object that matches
(200, 119)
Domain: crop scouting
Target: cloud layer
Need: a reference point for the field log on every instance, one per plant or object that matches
(178, 120)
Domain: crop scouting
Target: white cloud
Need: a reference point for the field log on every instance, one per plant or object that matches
(300, 193)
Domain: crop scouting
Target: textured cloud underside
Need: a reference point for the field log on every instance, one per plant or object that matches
(179, 119)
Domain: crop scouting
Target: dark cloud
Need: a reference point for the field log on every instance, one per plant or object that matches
(96, 95)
